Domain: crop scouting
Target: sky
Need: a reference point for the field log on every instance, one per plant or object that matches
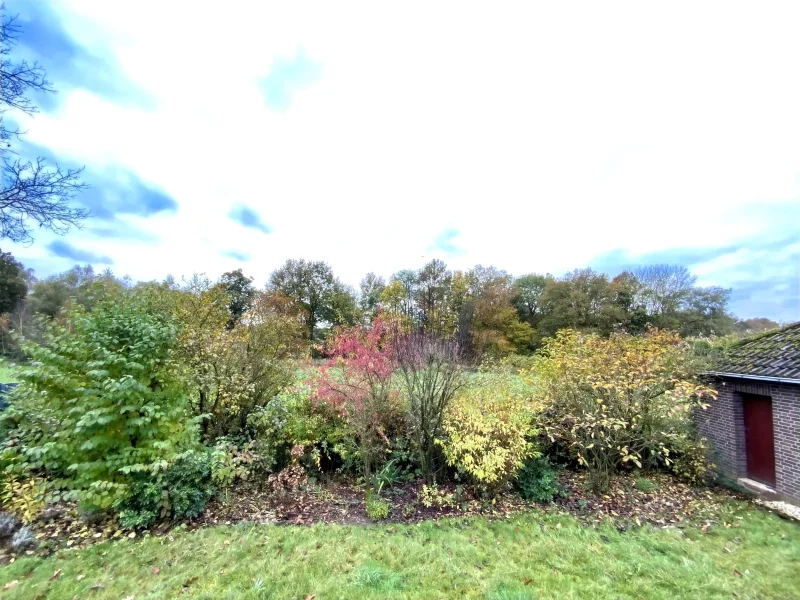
(533, 136)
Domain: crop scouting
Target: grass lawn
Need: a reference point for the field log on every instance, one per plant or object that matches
(536, 555)
(6, 372)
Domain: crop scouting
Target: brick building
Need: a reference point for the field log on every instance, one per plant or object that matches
(754, 424)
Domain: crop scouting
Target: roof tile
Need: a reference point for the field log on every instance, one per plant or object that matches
(772, 354)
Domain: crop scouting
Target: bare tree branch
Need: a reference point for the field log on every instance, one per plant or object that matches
(32, 192)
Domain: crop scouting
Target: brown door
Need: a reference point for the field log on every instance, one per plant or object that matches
(759, 438)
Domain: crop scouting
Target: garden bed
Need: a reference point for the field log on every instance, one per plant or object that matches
(669, 503)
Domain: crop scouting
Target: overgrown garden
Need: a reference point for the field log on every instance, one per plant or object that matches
(145, 405)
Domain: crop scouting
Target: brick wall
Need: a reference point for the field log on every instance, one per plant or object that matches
(786, 416)
(723, 424)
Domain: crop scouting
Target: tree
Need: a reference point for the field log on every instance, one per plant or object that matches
(314, 287)
(357, 384)
(79, 285)
(241, 292)
(528, 297)
(369, 298)
(234, 371)
(756, 325)
(496, 328)
(432, 289)
(431, 375)
(13, 284)
(663, 291)
(705, 313)
(32, 191)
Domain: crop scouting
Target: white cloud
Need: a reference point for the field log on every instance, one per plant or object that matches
(546, 134)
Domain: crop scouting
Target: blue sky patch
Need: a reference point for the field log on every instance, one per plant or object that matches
(445, 243)
(68, 64)
(235, 255)
(64, 249)
(287, 76)
(247, 217)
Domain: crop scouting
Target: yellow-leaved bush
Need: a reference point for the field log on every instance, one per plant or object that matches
(620, 400)
(489, 427)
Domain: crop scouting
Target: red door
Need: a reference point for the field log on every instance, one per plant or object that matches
(759, 441)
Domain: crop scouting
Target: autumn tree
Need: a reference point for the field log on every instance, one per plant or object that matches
(357, 384)
(235, 370)
(312, 284)
(33, 193)
(496, 328)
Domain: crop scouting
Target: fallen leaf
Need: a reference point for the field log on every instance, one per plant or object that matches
(311, 597)
(56, 575)
(190, 581)
(735, 572)
(96, 586)
(10, 584)
(527, 581)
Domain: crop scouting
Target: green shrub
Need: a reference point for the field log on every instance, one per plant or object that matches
(230, 462)
(377, 509)
(181, 491)
(432, 496)
(537, 480)
(693, 460)
(292, 419)
(645, 485)
(389, 475)
(488, 426)
(101, 401)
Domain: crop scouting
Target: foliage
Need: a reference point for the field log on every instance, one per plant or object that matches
(101, 400)
(431, 375)
(389, 475)
(292, 418)
(377, 508)
(180, 491)
(235, 370)
(618, 401)
(488, 429)
(537, 480)
(291, 478)
(22, 497)
(645, 485)
(240, 291)
(693, 461)
(13, 285)
(433, 496)
(313, 286)
(230, 463)
(357, 384)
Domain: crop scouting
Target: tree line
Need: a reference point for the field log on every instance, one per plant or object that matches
(485, 309)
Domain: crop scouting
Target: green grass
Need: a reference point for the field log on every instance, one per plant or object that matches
(530, 556)
(6, 372)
